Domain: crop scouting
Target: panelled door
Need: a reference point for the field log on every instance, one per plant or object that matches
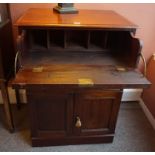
(95, 111)
(51, 111)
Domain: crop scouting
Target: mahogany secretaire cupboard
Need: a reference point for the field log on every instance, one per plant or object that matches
(74, 68)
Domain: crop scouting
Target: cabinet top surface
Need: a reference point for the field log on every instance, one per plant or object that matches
(85, 18)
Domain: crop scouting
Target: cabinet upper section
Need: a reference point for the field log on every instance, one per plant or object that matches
(97, 46)
(85, 18)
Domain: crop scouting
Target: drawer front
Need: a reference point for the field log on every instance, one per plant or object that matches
(50, 112)
(96, 112)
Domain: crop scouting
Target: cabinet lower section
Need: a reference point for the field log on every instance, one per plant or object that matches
(64, 115)
(44, 141)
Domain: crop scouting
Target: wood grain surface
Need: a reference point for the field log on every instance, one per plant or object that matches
(85, 18)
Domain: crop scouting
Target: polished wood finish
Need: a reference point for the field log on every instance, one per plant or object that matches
(148, 94)
(74, 68)
(6, 60)
(54, 111)
(58, 103)
(85, 19)
(97, 110)
(102, 76)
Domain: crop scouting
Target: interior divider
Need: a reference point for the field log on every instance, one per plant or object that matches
(88, 40)
(65, 39)
(48, 39)
(69, 39)
(106, 39)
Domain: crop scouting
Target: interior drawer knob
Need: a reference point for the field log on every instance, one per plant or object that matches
(78, 122)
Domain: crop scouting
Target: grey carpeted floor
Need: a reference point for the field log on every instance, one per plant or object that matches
(133, 133)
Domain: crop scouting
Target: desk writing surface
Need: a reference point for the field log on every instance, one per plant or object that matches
(70, 75)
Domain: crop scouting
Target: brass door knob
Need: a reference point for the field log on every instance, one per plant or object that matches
(78, 122)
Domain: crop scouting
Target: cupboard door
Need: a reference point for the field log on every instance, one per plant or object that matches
(96, 112)
(51, 112)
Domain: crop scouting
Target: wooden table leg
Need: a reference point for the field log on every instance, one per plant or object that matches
(18, 98)
(7, 109)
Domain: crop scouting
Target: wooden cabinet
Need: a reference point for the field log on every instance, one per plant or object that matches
(74, 68)
(56, 111)
(6, 43)
(6, 59)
